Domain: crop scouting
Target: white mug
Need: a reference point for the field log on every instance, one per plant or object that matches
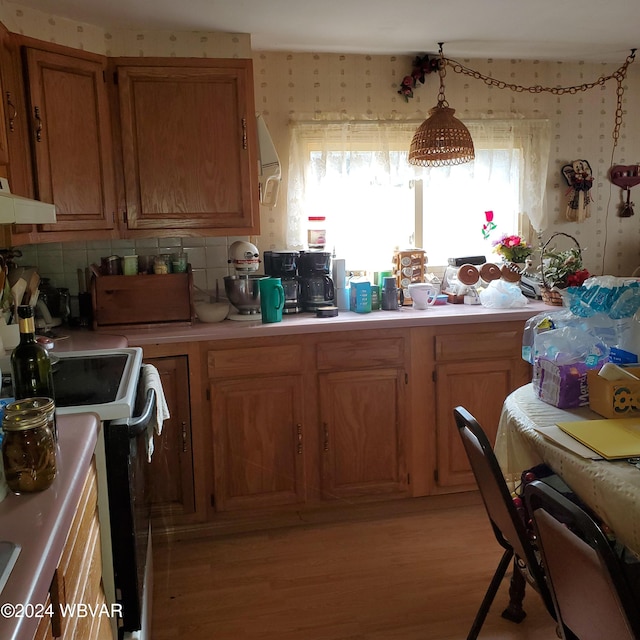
(423, 295)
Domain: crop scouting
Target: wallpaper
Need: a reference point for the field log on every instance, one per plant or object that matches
(304, 86)
(315, 86)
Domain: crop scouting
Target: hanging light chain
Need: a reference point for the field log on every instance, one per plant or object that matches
(442, 72)
(619, 75)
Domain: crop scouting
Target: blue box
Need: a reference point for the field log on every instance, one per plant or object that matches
(360, 297)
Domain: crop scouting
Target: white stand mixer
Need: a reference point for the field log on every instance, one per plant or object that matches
(243, 289)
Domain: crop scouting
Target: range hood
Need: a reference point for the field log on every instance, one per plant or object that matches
(268, 165)
(19, 210)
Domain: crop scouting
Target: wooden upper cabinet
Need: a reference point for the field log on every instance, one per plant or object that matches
(71, 138)
(4, 98)
(189, 145)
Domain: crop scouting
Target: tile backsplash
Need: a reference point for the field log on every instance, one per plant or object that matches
(59, 261)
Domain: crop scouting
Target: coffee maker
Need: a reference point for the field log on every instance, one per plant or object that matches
(316, 285)
(284, 265)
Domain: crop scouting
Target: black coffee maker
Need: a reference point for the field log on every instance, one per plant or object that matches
(316, 285)
(284, 265)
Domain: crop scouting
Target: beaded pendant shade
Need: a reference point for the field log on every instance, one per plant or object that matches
(441, 139)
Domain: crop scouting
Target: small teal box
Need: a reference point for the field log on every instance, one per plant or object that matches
(360, 297)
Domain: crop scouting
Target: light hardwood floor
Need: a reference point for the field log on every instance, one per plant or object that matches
(411, 570)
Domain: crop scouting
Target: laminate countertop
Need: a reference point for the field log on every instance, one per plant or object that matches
(301, 323)
(40, 522)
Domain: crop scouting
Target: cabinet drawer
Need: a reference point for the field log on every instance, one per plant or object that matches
(254, 360)
(347, 354)
(471, 346)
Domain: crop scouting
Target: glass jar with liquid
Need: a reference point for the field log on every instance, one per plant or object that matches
(28, 452)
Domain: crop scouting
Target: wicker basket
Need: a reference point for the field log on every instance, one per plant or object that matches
(552, 295)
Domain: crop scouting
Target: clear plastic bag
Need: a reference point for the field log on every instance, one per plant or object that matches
(500, 294)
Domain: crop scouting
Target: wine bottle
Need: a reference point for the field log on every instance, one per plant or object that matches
(30, 363)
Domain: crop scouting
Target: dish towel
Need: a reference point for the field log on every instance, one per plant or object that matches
(151, 380)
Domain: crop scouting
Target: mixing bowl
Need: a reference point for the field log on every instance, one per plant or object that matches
(211, 311)
(244, 292)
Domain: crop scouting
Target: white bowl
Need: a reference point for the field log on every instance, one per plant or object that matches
(211, 311)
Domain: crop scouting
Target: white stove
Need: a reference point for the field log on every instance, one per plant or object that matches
(102, 381)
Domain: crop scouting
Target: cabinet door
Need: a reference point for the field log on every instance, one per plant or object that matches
(5, 99)
(258, 445)
(481, 388)
(189, 146)
(172, 489)
(71, 139)
(363, 433)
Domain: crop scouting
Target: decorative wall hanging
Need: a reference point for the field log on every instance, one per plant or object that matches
(580, 180)
(625, 176)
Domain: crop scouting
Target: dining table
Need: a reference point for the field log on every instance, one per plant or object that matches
(527, 436)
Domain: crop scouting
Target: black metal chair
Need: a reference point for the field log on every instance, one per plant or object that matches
(592, 597)
(508, 527)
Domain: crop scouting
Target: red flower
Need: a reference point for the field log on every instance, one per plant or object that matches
(577, 279)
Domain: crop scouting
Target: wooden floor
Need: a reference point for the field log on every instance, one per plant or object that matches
(416, 571)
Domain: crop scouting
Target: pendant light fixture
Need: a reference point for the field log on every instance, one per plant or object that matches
(441, 139)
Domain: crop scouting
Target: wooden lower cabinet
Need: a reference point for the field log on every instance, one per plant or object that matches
(172, 481)
(480, 387)
(363, 433)
(78, 578)
(258, 442)
(477, 370)
(354, 416)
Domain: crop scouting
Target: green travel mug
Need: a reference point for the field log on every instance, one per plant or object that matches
(271, 299)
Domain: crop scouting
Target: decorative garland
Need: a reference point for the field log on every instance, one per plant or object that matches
(421, 67)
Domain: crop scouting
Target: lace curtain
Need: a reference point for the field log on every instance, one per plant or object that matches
(375, 152)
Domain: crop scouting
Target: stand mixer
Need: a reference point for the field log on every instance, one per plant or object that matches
(243, 289)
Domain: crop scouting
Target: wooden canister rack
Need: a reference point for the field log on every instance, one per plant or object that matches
(408, 267)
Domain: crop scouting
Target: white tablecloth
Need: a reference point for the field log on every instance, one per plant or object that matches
(611, 489)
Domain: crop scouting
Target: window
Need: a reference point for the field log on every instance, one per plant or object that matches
(357, 176)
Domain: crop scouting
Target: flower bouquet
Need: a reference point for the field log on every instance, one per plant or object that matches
(512, 248)
(561, 269)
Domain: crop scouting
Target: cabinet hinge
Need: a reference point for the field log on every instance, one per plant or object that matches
(435, 475)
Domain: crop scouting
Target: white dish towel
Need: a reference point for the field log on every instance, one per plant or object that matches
(151, 380)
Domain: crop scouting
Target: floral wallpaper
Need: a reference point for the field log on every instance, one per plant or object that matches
(303, 86)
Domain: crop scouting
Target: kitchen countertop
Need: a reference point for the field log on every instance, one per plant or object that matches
(85, 340)
(40, 522)
(301, 323)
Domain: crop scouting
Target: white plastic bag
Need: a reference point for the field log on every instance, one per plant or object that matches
(501, 294)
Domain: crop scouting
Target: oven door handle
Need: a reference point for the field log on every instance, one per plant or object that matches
(139, 424)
